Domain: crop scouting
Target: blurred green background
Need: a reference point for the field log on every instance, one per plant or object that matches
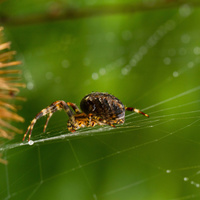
(148, 59)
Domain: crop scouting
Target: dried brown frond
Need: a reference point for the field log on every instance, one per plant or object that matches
(5, 162)
(9, 89)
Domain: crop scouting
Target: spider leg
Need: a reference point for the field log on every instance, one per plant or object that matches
(89, 119)
(100, 122)
(74, 107)
(55, 106)
(136, 110)
(110, 124)
(30, 127)
(48, 118)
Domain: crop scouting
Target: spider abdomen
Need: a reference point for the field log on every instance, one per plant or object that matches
(103, 105)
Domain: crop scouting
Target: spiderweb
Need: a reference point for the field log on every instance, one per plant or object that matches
(146, 158)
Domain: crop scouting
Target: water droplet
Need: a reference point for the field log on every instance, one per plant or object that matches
(175, 74)
(185, 38)
(49, 75)
(65, 63)
(30, 85)
(197, 185)
(95, 76)
(133, 62)
(124, 71)
(167, 61)
(185, 178)
(197, 50)
(151, 42)
(102, 71)
(160, 32)
(185, 10)
(143, 50)
(31, 142)
(170, 25)
(190, 64)
(95, 196)
(137, 57)
(168, 171)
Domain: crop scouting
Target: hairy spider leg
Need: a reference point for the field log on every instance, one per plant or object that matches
(57, 105)
(90, 120)
(74, 107)
(100, 122)
(111, 124)
(48, 118)
(136, 110)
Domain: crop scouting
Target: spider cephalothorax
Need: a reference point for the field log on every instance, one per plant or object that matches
(97, 109)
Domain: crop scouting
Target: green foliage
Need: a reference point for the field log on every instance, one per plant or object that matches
(149, 60)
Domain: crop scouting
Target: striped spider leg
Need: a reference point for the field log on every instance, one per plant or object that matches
(136, 110)
(55, 106)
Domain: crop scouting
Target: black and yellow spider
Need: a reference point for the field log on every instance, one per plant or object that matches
(97, 109)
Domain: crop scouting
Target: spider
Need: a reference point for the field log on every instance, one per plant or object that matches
(97, 109)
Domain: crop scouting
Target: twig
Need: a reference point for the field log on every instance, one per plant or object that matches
(72, 13)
